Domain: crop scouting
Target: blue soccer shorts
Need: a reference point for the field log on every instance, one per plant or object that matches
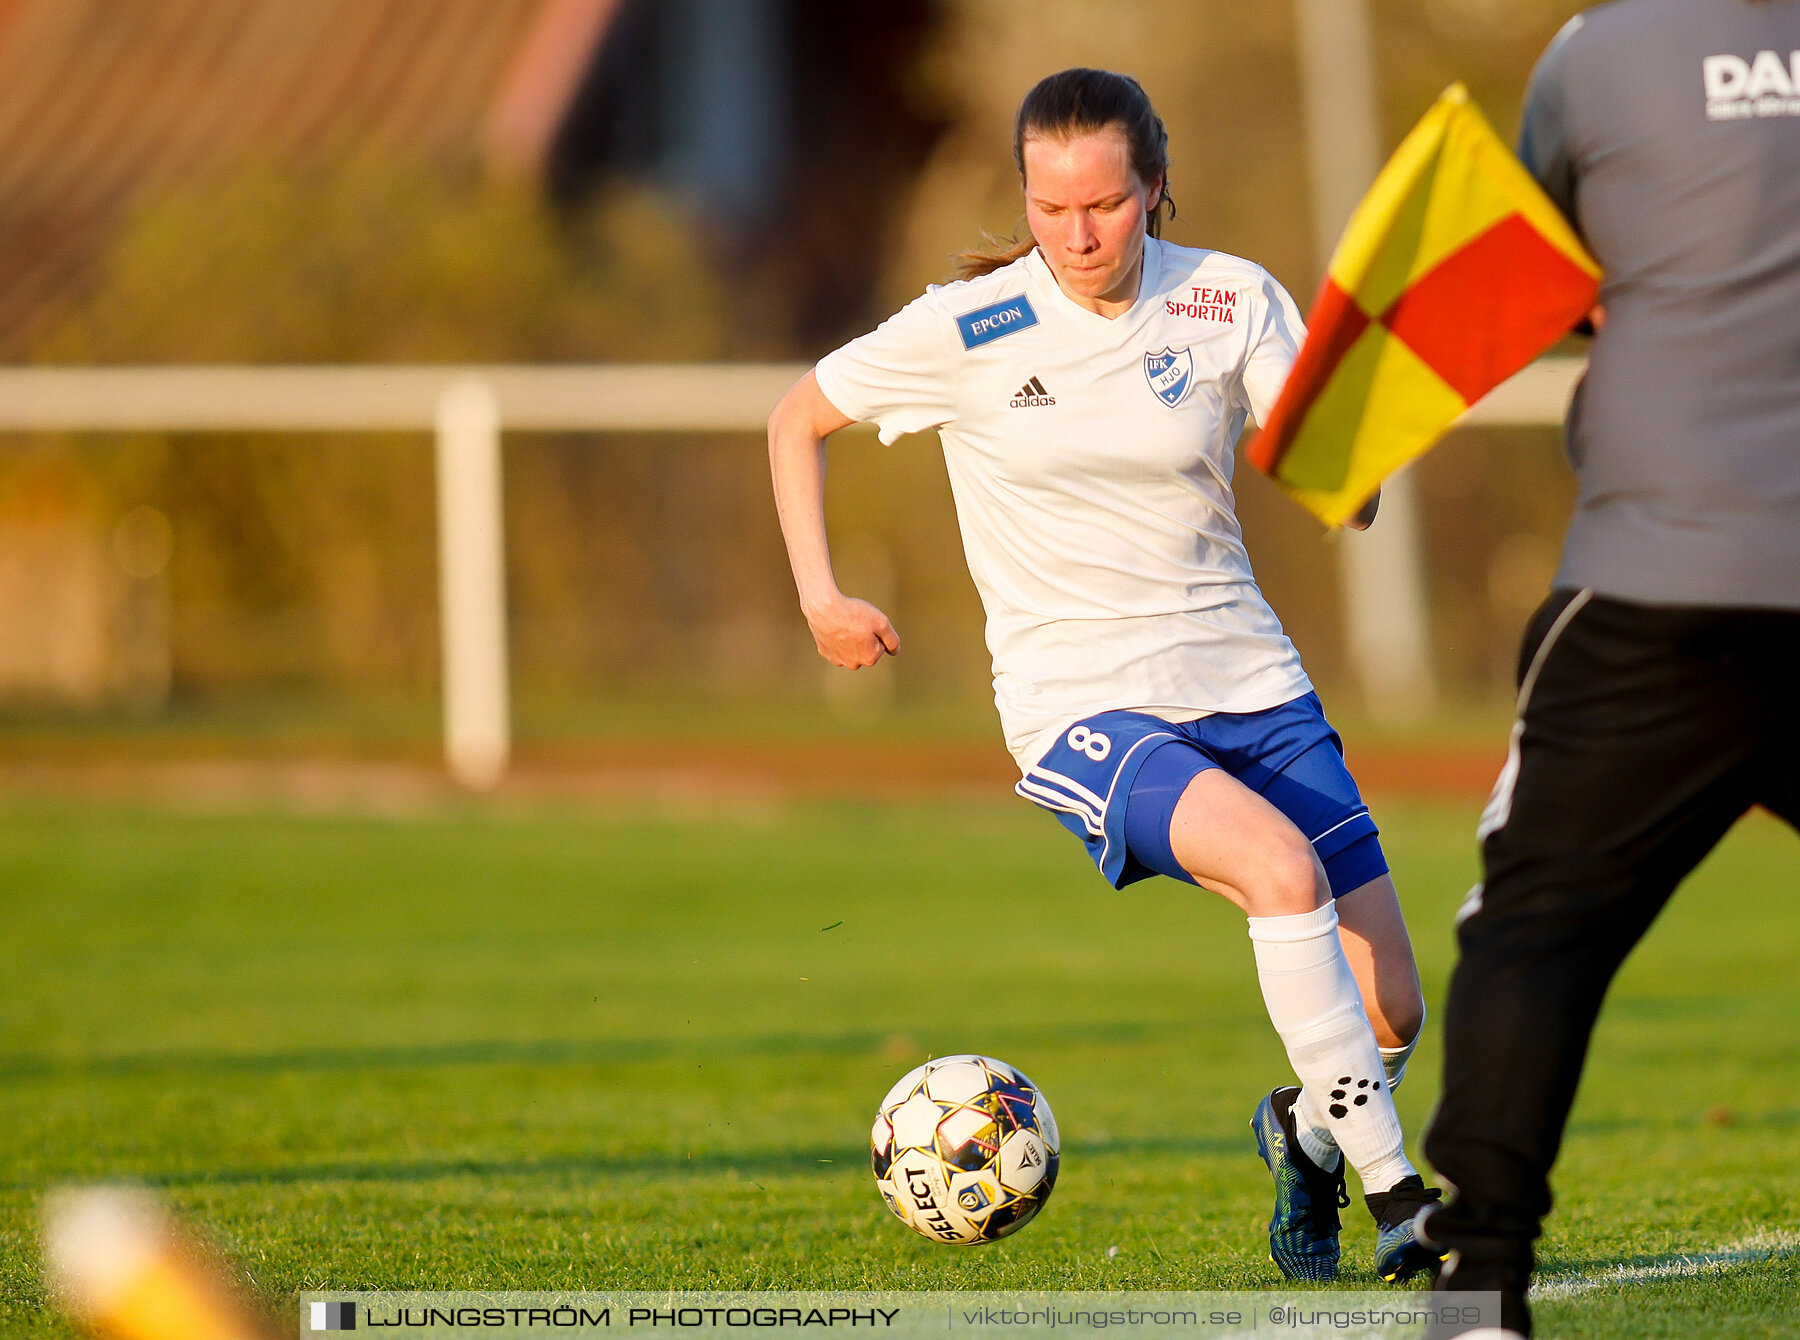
(1114, 778)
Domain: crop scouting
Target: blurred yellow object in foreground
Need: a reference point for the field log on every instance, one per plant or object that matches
(119, 1265)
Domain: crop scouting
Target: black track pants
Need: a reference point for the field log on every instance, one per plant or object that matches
(1644, 733)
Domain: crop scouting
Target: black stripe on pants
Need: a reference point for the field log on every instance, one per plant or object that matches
(1647, 732)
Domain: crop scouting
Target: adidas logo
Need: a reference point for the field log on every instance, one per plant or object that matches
(1031, 395)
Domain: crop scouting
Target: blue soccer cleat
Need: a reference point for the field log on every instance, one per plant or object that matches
(1303, 1232)
(1400, 1252)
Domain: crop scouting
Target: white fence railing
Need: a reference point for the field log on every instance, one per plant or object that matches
(467, 408)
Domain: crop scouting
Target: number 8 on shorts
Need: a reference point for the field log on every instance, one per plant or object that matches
(1090, 742)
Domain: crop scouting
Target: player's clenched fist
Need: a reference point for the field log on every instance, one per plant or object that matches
(852, 633)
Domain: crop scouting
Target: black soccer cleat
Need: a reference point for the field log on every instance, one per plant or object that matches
(1400, 1252)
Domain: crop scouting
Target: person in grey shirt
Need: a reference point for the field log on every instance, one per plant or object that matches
(1658, 692)
(1670, 133)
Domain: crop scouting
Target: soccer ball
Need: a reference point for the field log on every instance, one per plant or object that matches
(965, 1149)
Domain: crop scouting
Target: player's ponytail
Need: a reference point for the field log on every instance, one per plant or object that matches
(1079, 102)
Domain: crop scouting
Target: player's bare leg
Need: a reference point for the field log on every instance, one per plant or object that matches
(1235, 842)
(1373, 933)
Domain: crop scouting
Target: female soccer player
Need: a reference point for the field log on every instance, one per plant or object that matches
(1089, 387)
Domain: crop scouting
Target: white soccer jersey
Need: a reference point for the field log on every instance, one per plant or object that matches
(1091, 462)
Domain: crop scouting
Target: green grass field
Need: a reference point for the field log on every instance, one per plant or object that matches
(533, 1049)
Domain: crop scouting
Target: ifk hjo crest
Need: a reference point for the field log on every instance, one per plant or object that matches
(1170, 374)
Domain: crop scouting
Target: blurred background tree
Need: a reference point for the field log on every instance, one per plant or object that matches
(304, 560)
(643, 180)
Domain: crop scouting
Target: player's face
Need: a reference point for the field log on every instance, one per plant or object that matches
(1086, 208)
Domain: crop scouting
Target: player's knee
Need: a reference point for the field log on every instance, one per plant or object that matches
(1292, 881)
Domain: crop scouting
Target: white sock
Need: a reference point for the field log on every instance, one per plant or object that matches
(1315, 1137)
(1394, 1059)
(1313, 1002)
(1309, 1120)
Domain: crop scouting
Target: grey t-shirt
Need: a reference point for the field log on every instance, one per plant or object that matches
(1669, 131)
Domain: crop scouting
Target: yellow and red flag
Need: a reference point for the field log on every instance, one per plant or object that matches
(1455, 271)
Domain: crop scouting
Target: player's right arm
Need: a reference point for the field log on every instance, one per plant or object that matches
(849, 632)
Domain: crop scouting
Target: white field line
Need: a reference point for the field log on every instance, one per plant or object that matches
(1758, 1247)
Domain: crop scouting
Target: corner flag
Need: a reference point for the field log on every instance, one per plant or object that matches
(1455, 271)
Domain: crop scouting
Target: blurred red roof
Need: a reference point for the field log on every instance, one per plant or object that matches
(101, 100)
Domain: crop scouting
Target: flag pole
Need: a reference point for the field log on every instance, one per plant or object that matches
(1381, 571)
